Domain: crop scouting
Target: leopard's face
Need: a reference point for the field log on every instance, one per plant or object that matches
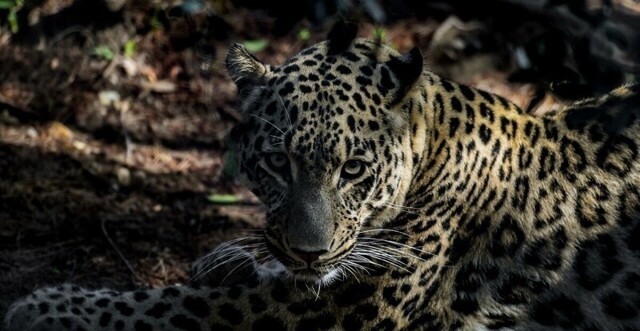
(324, 150)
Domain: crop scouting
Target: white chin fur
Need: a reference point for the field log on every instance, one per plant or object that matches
(275, 269)
(330, 277)
(323, 281)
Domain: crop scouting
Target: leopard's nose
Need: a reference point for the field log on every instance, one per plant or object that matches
(307, 256)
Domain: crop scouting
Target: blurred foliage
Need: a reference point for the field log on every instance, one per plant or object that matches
(379, 33)
(223, 198)
(13, 6)
(572, 47)
(255, 45)
(7, 4)
(130, 48)
(103, 52)
(304, 34)
(155, 22)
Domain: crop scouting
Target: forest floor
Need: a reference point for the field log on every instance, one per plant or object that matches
(112, 141)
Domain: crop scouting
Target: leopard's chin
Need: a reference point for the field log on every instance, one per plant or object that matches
(317, 277)
(321, 272)
(306, 275)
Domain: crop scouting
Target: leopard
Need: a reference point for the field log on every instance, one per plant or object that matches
(397, 199)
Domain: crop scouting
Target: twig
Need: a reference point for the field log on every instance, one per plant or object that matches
(134, 275)
(127, 143)
(122, 109)
(108, 70)
(73, 270)
(67, 32)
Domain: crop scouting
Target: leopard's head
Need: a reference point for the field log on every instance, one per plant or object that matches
(325, 144)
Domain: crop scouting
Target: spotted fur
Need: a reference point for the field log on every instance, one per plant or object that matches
(406, 201)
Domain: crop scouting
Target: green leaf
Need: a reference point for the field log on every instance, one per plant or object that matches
(155, 22)
(13, 21)
(304, 35)
(223, 198)
(255, 45)
(104, 52)
(130, 48)
(7, 4)
(14, 7)
(379, 34)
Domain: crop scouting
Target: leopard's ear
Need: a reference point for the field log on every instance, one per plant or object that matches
(245, 69)
(341, 36)
(405, 70)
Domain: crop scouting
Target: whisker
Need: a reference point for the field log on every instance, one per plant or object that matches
(375, 184)
(402, 233)
(267, 121)
(380, 252)
(217, 265)
(371, 261)
(401, 206)
(392, 260)
(246, 263)
(237, 249)
(401, 253)
(276, 137)
(227, 250)
(351, 268)
(286, 111)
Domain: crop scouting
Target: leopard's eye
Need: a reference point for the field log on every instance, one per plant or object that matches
(278, 162)
(352, 169)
